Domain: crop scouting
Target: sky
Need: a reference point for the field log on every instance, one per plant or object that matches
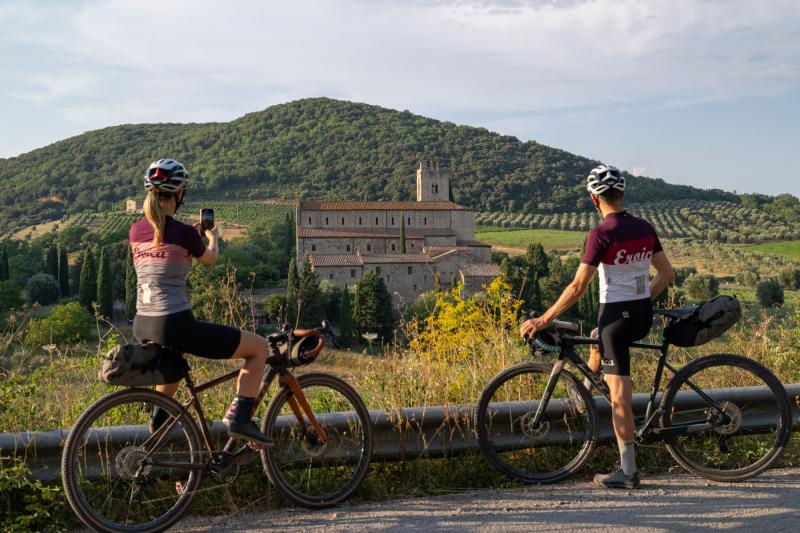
(700, 92)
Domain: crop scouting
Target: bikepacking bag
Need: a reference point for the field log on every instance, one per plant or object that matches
(136, 365)
(709, 321)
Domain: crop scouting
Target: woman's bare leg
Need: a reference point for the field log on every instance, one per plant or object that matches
(253, 349)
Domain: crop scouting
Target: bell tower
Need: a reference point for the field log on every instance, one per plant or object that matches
(433, 182)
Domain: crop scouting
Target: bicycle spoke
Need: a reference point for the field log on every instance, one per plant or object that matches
(530, 450)
(302, 466)
(743, 435)
(110, 474)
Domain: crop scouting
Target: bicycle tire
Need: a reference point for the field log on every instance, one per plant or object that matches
(677, 445)
(491, 452)
(80, 434)
(288, 442)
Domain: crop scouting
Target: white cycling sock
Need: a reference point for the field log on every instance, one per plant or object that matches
(627, 455)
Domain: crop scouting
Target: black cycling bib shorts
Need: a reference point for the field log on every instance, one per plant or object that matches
(183, 332)
(620, 324)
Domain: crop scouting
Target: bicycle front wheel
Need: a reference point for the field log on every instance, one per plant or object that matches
(545, 452)
(114, 470)
(738, 429)
(304, 468)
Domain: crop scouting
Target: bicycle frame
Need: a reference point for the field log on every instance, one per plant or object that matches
(221, 458)
(646, 431)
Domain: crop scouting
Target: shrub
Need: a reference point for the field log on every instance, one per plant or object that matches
(682, 273)
(27, 505)
(748, 277)
(42, 288)
(770, 293)
(790, 278)
(67, 323)
(701, 286)
(10, 296)
(274, 308)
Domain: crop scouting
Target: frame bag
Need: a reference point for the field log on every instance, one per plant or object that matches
(708, 322)
(135, 365)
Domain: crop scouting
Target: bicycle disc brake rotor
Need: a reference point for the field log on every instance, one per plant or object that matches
(128, 462)
(533, 432)
(311, 444)
(735, 414)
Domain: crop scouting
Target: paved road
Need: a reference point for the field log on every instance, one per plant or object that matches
(669, 502)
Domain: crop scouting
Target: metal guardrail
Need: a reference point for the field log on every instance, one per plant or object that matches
(402, 434)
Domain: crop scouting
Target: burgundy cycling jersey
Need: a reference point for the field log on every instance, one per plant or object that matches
(622, 247)
(161, 271)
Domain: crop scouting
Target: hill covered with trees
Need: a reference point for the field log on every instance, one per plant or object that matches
(313, 148)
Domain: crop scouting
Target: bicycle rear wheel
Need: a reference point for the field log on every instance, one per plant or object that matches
(549, 451)
(110, 468)
(307, 471)
(752, 433)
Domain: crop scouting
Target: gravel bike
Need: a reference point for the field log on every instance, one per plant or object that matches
(118, 476)
(723, 417)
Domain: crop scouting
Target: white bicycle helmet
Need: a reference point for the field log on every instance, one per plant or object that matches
(603, 178)
(166, 175)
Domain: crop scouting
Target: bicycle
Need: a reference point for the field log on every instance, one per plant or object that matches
(120, 477)
(537, 423)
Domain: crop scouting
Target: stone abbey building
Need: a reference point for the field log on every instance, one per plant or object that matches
(344, 240)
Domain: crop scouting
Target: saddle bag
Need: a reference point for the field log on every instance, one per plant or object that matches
(709, 321)
(136, 365)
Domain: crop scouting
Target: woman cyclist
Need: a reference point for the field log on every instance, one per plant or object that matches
(162, 255)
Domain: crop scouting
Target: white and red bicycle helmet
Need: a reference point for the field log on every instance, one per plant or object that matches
(166, 175)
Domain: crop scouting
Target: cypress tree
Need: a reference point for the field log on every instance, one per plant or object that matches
(291, 292)
(289, 233)
(63, 271)
(402, 233)
(346, 319)
(130, 285)
(87, 292)
(4, 273)
(536, 258)
(105, 292)
(372, 309)
(52, 261)
(309, 295)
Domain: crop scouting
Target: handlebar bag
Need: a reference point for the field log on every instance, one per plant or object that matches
(708, 322)
(136, 365)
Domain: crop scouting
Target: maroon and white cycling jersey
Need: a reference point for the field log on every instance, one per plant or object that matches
(161, 271)
(622, 247)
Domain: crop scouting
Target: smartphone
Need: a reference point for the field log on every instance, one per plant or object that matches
(206, 219)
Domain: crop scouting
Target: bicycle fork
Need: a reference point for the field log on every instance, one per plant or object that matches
(548, 392)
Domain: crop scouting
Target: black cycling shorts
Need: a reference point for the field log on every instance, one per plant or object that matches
(620, 324)
(183, 332)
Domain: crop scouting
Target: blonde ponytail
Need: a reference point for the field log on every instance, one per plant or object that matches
(155, 216)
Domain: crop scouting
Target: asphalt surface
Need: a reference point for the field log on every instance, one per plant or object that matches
(667, 502)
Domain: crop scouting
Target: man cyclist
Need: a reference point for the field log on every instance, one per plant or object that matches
(622, 248)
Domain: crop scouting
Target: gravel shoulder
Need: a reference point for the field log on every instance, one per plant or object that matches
(667, 502)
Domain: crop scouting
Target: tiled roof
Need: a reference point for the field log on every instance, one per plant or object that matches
(304, 232)
(333, 260)
(473, 244)
(396, 258)
(393, 205)
(480, 270)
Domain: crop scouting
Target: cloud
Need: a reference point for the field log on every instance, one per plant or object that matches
(105, 61)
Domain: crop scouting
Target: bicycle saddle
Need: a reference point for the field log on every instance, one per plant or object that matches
(678, 314)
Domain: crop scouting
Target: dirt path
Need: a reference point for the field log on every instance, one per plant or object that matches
(669, 502)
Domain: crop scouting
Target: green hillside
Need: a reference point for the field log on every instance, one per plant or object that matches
(314, 148)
